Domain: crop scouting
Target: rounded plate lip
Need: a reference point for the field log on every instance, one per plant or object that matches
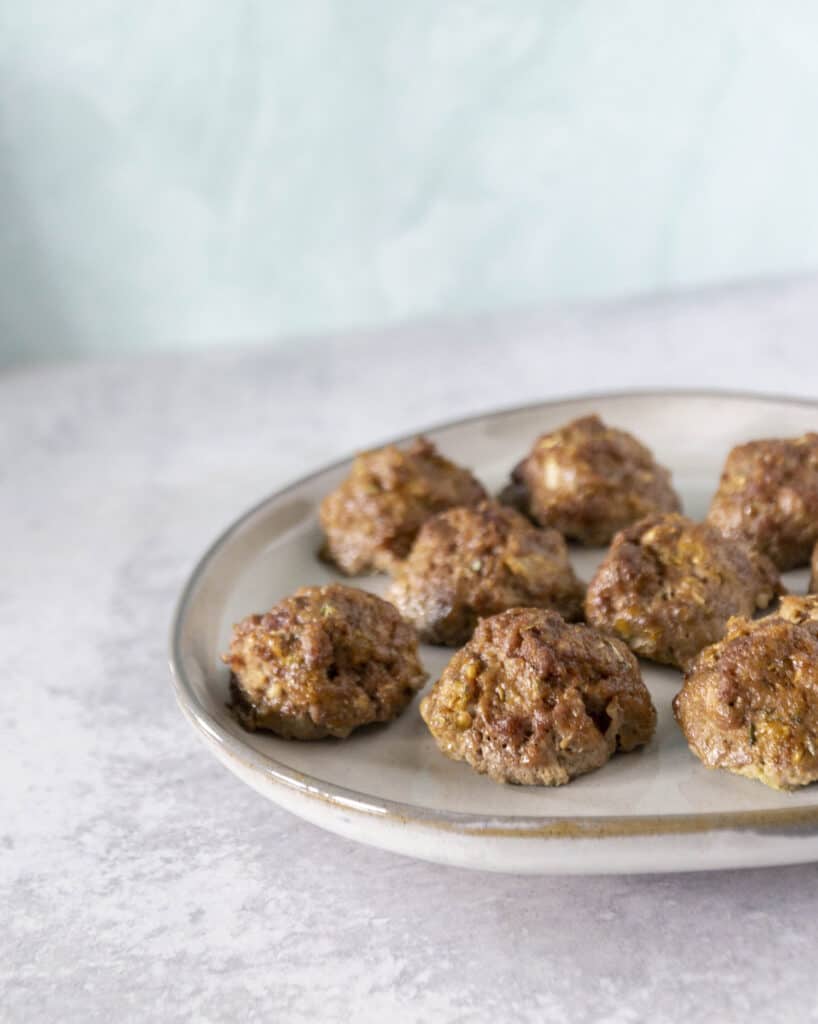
(802, 819)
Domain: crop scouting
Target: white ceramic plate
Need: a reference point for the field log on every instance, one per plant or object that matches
(656, 810)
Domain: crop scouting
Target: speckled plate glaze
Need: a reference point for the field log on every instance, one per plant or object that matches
(656, 810)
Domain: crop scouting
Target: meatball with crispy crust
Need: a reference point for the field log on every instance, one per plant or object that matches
(372, 519)
(469, 563)
(749, 704)
(588, 480)
(668, 586)
(801, 610)
(813, 583)
(768, 496)
(536, 701)
(321, 663)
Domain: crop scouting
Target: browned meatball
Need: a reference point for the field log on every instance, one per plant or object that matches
(668, 586)
(588, 480)
(768, 495)
(536, 701)
(371, 520)
(801, 610)
(468, 563)
(749, 704)
(323, 662)
(813, 583)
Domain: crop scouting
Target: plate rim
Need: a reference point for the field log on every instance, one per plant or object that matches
(802, 819)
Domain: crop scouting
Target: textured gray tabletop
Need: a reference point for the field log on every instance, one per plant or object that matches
(140, 881)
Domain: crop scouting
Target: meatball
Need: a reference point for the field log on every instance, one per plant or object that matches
(371, 520)
(801, 610)
(468, 563)
(588, 480)
(813, 583)
(768, 496)
(321, 663)
(749, 704)
(668, 586)
(536, 701)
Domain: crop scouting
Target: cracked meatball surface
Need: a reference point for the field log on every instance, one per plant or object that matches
(469, 563)
(668, 587)
(535, 701)
(749, 704)
(589, 480)
(768, 496)
(321, 663)
(371, 520)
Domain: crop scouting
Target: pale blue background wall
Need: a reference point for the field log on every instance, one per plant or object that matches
(189, 173)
